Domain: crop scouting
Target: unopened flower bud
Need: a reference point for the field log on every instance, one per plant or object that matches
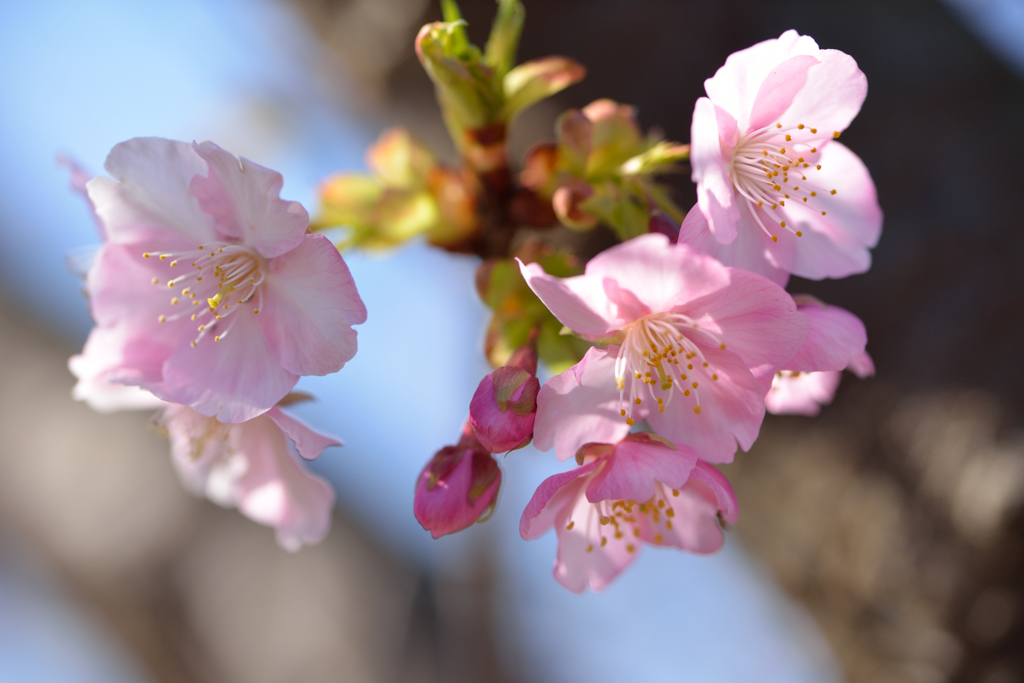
(458, 487)
(504, 406)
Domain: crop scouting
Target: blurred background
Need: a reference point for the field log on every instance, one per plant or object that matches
(882, 541)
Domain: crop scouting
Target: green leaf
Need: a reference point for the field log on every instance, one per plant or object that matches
(533, 81)
(503, 43)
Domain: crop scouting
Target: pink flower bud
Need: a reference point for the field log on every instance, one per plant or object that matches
(458, 486)
(504, 406)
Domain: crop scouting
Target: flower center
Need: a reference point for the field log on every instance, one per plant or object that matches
(619, 521)
(655, 357)
(770, 166)
(220, 275)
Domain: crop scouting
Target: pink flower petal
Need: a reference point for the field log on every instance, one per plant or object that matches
(834, 338)
(310, 303)
(732, 409)
(658, 273)
(720, 488)
(694, 525)
(277, 491)
(837, 244)
(753, 251)
(308, 442)
(551, 496)
(148, 194)
(105, 352)
(244, 199)
(715, 194)
(241, 377)
(634, 467)
(582, 561)
(579, 303)
(832, 96)
(862, 365)
(735, 86)
(754, 318)
(802, 394)
(250, 465)
(778, 90)
(572, 413)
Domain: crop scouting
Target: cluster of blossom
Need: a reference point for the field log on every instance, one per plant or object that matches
(665, 350)
(211, 298)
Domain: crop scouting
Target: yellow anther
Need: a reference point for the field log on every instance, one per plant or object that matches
(171, 284)
(778, 125)
(722, 346)
(162, 318)
(590, 548)
(814, 194)
(622, 412)
(800, 126)
(636, 533)
(604, 541)
(822, 213)
(637, 400)
(814, 130)
(174, 263)
(256, 311)
(686, 392)
(630, 421)
(818, 167)
(813, 150)
(201, 328)
(788, 138)
(783, 223)
(174, 301)
(833, 192)
(155, 281)
(163, 257)
(570, 526)
(782, 151)
(714, 376)
(630, 547)
(658, 538)
(217, 338)
(694, 385)
(799, 233)
(835, 134)
(146, 254)
(774, 238)
(696, 410)
(777, 188)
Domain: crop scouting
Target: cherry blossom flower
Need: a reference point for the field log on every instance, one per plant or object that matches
(776, 194)
(249, 465)
(688, 344)
(504, 406)
(809, 380)
(459, 486)
(209, 292)
(642, 490)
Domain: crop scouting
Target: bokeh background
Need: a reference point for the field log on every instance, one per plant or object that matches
(881, 542)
